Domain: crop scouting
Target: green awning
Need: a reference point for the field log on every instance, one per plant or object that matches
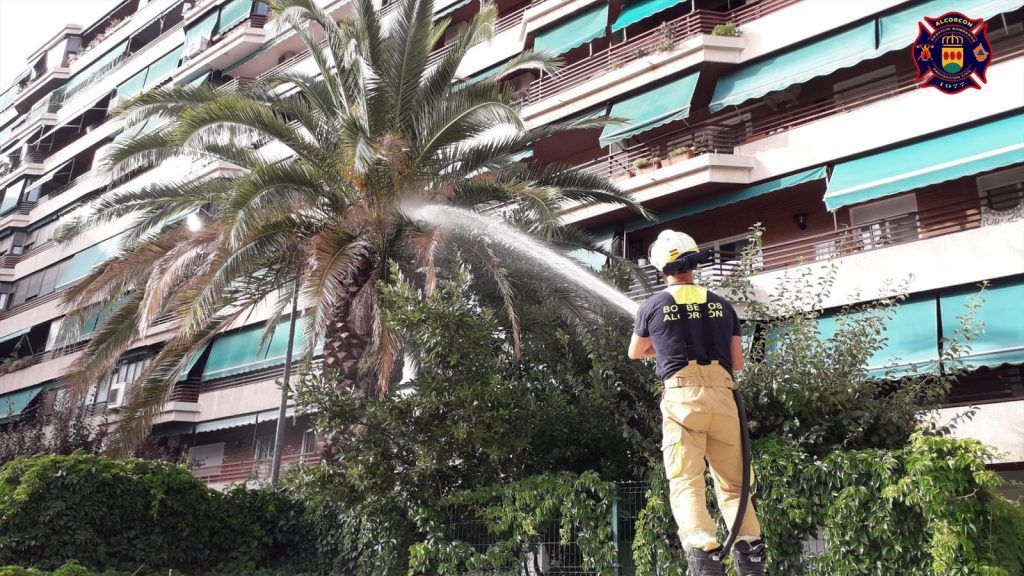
(162, 67)
(730, 198)
(651, 109)
(14, 335)
(83, 262)
(595, 260)
(1002, 341)
(795, 66)
(131, 86)
(202, 28)
(899, 29)
(239, 352)
(13, 404)
(637, 10)
(573, 32)
(225, 423)
(100, 65)
(977, 149)
(442, 10)
(912, 338)
(233, 13)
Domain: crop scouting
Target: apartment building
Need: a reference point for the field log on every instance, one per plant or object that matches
(803, 115)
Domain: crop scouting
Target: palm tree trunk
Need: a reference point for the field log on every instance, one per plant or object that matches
(343, 344)
(275, 469)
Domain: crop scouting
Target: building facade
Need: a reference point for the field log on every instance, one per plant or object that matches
(801, 115)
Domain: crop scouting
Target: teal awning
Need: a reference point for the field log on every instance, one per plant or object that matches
(83, 262)
(131, 86)
(239, 352)
(202, 28)
(651, 109)
(637, 10)
(162, 67)
(443, 10)
(233, 13)
(795, 66)
(912, 338)
(594, 260)
(13, 404)
(720, 200)
(14, 335)
(899, 29)
(99, 65)
(977, 149)
(225, 423)
(573, 32)
(1002, 341)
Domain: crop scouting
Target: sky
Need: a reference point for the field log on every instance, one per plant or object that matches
(26, 24)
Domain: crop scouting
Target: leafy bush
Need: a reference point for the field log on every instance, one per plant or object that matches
(123, 514)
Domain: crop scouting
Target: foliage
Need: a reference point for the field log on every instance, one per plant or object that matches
(727, 29)
(515, 517)
(125, 514)
(928, 508)
(819, 392)
(60, 433)
(375, 130)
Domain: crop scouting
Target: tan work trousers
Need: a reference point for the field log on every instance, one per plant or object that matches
(700, 421)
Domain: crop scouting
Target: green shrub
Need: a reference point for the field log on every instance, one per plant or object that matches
(123, 514)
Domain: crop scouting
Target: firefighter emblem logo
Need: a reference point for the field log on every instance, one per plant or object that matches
(952, 52)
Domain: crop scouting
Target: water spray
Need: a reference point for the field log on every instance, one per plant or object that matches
(495, 230)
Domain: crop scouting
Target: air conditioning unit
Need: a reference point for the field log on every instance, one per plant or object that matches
(116, 394)
(196, 46)
(186, 8)
(5, 166)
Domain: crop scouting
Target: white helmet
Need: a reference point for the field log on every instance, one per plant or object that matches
(670, 248)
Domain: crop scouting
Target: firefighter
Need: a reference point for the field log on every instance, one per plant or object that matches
(694, 336)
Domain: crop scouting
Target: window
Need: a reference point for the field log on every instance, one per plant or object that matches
(114, 389)
(1002, 196)
(886, 222)
(853, 91)
(264, 447)
(309, 443)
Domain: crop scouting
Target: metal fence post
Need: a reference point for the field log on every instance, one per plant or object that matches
(616, 537)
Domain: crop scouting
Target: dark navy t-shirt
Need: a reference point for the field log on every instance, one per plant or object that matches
(686, 322)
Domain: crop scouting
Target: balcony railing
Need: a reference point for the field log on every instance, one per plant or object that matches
(184, 392)
(662, 39)
(872, 235)
(705, 139)
(264, 375)
(256, 470)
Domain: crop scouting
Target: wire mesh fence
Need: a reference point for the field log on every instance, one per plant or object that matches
(548, 554)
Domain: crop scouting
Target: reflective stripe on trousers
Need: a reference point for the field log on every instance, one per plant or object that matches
(700, 421)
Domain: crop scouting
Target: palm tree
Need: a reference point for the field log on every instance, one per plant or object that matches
(375, 128)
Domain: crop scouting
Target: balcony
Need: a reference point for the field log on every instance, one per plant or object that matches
(256, 470)
(876, 255)
(658, 40)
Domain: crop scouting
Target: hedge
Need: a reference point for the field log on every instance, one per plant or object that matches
(122, 514)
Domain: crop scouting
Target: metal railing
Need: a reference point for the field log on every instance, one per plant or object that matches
(720, 268)
(706, 138)
(511, 19)
(255, 470)
(264, 375)
(849, 99)
(662, 39)
(867, 236)
(187, 391)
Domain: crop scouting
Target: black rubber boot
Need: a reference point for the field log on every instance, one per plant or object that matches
(749, 557)
(705, 563)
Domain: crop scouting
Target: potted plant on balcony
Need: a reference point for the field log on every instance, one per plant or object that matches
(728, 29)
(666, 44)
(700, 146)
(679, 154)
(644, 165)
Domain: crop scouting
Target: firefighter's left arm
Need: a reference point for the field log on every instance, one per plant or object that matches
(641, 348)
